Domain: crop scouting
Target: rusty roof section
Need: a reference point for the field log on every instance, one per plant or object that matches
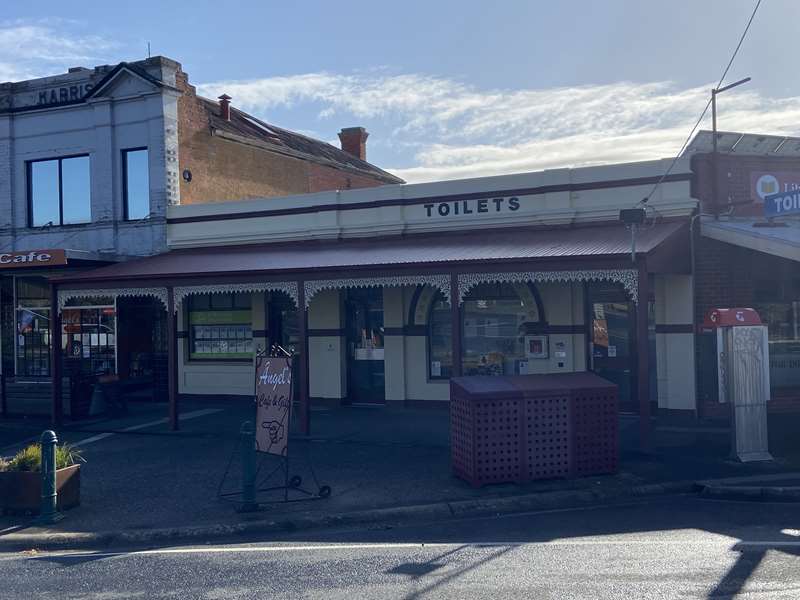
(297, 258)
(272, 137)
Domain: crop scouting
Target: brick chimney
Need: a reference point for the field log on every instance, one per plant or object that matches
(354, 141)
(225, 107)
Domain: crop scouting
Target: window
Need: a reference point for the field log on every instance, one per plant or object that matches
(59, 191)
(220, 327)
(33, 327)
(440, 339)
(496, 318)
(89, 335)
(777, 301)
(136, 183)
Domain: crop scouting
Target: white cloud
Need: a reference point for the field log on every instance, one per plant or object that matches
(38, 48)
(457, 130)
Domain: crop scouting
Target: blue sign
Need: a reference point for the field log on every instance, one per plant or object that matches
(784, 203)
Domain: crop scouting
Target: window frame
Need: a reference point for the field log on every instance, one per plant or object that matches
(125, 151)
(190, 339)
(29, 190)
(541, 324)
(438, 297)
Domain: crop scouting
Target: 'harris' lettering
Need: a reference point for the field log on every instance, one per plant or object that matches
(471, 207)
(61, 95)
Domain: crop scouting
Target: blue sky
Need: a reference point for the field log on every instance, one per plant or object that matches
(448, 88)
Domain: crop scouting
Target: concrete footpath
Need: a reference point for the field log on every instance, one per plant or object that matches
(142, 484)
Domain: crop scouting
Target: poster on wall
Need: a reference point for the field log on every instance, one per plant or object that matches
(273, 404)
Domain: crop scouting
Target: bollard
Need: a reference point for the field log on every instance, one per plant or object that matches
(49, 510)
(247, 434)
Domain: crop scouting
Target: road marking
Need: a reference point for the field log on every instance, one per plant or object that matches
(184, 417)
(730, 544)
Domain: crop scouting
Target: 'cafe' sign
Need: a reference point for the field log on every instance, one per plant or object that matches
(33, 258)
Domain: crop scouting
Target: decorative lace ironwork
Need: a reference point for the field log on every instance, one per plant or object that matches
(442, 282)
(288, 287)
(65, 296)
(627, 277)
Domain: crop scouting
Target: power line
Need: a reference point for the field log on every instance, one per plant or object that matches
(705, 110)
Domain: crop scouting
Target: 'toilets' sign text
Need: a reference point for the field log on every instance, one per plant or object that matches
(782, 203)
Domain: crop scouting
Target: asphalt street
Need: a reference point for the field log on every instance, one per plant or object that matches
(675, 547)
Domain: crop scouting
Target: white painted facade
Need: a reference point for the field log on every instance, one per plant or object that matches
(100, 113)
(595, 195)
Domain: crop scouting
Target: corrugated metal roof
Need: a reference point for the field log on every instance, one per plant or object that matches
(499, 245)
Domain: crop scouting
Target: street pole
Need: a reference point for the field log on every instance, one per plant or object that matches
(714, 205)
(714, 151)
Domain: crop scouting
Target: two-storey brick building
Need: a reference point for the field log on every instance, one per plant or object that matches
(746, 255)
(89, 162)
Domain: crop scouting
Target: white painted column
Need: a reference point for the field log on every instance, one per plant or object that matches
(326, 347)
(6, 183)
(105, 196)
(675, 342)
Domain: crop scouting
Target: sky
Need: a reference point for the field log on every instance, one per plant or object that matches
(448, 89)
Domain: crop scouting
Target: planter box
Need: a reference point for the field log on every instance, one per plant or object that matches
(21, 491)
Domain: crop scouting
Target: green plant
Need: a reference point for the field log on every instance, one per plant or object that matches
(30, 458)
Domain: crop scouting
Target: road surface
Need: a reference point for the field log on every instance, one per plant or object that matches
(674, 547)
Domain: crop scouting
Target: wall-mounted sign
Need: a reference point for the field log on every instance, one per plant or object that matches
(273, 404)
(63, 94)
(782, 203)
(32, 258)
(769, 183)
(536, 346)
(454, 208)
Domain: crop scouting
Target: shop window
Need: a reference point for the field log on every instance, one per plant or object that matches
(32, 327)
(496, 318)
(136, 183)
(777, 301)
(440, 340)
(783, 324)
(89, 335)
(59, 191)
(220, 327)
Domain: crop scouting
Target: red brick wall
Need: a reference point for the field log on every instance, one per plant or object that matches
(734, 179)
(321, 178)
(224, 170)
(726, 275)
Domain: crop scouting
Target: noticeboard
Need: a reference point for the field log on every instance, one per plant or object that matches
(273, 404)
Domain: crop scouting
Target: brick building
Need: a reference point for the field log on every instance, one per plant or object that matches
(90, 161)
(744, 257)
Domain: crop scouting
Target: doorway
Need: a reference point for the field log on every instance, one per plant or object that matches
(364, 330)
(612, 318)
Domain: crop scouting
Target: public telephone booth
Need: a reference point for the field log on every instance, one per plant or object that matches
(741, 353)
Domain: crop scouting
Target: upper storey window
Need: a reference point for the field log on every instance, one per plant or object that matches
(136, 183)
(59, 191)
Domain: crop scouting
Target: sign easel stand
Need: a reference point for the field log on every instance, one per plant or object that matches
(274, 386)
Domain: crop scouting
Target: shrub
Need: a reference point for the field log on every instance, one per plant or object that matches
(30, 458)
